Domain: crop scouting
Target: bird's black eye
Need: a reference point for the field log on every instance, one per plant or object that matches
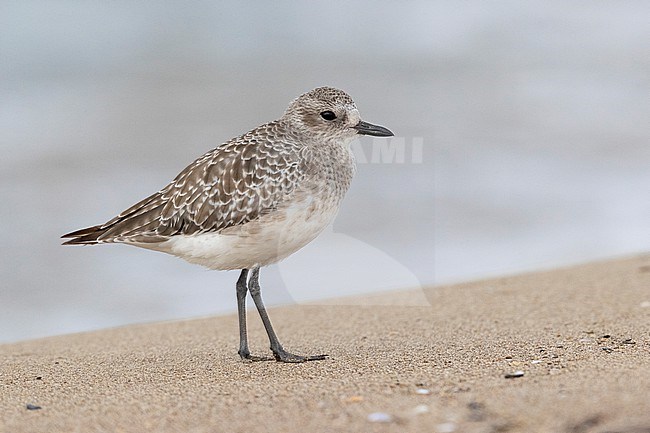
(328, 115)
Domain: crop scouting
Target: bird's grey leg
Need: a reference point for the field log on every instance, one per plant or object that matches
(278, 351)
(242, 289)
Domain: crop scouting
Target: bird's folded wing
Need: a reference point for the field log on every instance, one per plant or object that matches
(231, 185)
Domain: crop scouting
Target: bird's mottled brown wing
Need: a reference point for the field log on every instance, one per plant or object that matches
(230, 185)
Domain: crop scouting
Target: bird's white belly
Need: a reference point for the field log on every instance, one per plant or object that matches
(261, 242)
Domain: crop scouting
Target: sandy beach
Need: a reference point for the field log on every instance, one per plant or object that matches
(565, 350)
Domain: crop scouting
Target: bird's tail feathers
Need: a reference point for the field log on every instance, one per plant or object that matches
(87, 236)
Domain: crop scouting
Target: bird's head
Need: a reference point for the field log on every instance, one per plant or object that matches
(327, 113)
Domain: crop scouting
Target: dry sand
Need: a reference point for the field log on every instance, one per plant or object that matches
(581, 336)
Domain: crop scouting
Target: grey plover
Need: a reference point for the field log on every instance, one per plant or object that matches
(251, 201)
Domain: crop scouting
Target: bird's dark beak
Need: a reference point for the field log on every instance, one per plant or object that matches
(366, 128)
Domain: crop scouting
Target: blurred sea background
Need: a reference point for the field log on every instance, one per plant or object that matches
(525, 127)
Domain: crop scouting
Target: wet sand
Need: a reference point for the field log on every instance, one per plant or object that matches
(576, 340)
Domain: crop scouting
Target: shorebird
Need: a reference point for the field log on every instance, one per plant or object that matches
(252, 201)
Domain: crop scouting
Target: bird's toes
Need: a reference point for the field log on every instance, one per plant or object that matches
(291, 358)
(254, 358)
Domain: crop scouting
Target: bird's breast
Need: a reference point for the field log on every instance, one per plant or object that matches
(331, 167)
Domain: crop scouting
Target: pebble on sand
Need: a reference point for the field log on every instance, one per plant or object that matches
(514, 374)
(420, 409)
(354, 399)
(446, 427)
(380, 417)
